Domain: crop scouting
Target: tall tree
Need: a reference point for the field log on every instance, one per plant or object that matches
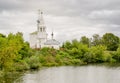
(85, 40)
(67, 45)
(9, 49)
(110, 41)
(7, 53)
(75, 43)
(97, 40)
(1, 35)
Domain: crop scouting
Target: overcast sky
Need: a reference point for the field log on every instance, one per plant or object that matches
(69, 19)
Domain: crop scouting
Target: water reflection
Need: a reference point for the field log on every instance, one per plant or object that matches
(70, 74)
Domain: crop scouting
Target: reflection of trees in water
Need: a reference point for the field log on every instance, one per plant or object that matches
(11, 77)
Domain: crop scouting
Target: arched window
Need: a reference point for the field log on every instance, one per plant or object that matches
(41, 29)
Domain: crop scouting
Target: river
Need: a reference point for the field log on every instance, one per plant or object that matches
(73, 74)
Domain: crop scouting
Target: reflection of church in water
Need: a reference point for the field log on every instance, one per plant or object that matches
(38, 39)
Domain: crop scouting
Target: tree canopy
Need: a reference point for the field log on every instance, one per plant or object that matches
(111, 41)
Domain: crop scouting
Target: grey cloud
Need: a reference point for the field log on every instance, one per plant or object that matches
(58, 7)
(81, 15)
(106, 16)
(10, 5)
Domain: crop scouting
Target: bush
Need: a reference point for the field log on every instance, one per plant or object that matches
(96, 54)
(42, 59)
(20, 66)
(33, 62)
(78, 51)
(63, 58)
(116, 55)
(108, 57)
(77, 62)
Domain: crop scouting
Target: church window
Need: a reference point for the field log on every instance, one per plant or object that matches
(41, 29)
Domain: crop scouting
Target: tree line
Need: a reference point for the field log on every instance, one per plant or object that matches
(109, 40)
(16, 54)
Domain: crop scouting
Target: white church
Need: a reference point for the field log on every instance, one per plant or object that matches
(39, 38)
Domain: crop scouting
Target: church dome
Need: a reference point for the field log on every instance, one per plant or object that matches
(51, 42)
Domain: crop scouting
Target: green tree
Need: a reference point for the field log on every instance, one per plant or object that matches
(67, 45)
(1, 35)
(95, 54)
(116, 55)
(11, 47)
(79, 51)
(75, 43)
(25, 51)
(110, 41)
(97, 40)
(85, 40)
(7, 53)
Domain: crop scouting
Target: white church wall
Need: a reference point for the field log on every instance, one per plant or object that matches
(33, 41)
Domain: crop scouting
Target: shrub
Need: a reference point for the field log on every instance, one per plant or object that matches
(76, 62)
(97, 53)
(116, 55)
(33, 62)
(20, 66)
(108, 57)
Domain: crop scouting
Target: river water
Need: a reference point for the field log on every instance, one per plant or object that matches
(73, 74)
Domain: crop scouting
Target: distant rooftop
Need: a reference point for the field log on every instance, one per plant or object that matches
(51, 42)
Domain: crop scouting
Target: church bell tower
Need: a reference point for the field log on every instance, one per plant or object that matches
(41, 30)
(40, 22)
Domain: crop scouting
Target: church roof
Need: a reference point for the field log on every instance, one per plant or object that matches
(51, 42)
